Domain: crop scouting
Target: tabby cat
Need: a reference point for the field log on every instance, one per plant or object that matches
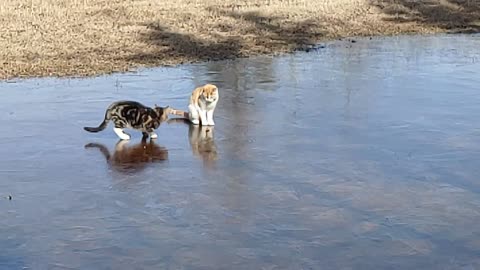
(134, 115)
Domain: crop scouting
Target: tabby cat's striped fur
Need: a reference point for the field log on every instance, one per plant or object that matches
(134, 115)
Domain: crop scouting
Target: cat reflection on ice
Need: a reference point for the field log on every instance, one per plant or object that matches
(128, 157)
(132, 158)
(203, 144)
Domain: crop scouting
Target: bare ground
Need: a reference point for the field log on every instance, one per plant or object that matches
(91, 37)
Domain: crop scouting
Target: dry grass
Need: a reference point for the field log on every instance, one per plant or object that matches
(88, 37)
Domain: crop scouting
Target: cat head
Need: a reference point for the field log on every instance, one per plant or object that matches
(162, 112)
(210, 92)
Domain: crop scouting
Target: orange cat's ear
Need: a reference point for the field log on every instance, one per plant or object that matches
(211, 87)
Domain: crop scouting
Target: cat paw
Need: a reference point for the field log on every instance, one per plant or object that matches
(153, 135)
(124, 137)
(195, 121)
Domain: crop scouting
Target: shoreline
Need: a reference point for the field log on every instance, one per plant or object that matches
(76, 39)
(321, 43)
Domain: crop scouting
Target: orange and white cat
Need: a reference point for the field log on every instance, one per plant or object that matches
(202, 105)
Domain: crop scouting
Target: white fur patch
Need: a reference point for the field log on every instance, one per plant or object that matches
(210, 121)
(122, 135)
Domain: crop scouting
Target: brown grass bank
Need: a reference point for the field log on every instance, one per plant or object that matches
(88, 37)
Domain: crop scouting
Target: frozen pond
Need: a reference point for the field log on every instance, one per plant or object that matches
(355, 156)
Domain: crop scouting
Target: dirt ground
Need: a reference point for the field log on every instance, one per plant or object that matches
(92, 37)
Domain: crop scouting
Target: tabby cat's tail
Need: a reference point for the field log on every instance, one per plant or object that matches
(102, 126)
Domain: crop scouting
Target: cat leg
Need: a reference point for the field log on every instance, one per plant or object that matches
(203, 117)
(122, 135)
(150, 132)
(153, 135)
(144, 139)
(193, 114)
(210, 121)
